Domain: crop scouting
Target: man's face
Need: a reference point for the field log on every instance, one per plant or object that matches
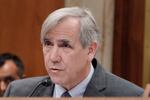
(8, 73)
(67, 62)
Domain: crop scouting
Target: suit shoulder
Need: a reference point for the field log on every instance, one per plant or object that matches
(23, 87)
(120, 86)
(109, 84)
(31, 80)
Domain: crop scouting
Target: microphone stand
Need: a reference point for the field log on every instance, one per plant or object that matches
(45, 82)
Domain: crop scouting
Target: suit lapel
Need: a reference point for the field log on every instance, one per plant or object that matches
(92, 92)
(44, 91)
(98, 82)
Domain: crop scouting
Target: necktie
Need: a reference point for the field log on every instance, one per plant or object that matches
(66, 94)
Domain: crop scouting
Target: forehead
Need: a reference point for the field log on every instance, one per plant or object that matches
(68, 27)
(9, 68)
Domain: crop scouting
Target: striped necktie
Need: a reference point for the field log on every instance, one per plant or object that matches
(66, 94)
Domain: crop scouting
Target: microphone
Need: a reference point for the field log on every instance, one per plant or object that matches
(45, 82)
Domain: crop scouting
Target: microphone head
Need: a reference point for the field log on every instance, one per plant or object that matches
(46, 82)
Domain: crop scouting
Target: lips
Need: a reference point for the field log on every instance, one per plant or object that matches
(55, 70)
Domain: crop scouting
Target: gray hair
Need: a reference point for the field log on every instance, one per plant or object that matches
(88, 30)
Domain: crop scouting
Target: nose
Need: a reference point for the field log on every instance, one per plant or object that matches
(54, 55)
(3, 87)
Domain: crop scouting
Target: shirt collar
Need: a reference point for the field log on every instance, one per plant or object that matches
(78, 90)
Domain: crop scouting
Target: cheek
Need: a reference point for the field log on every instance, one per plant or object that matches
(75, 61)
(46, 57)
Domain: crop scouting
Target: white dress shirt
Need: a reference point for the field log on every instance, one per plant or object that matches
(78, 90)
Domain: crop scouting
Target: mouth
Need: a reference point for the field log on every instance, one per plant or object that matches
(54, 70)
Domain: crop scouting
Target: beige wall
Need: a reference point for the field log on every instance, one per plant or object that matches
(103, 10)
(146, 68)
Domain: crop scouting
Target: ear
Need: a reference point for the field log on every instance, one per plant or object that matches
(92, 50)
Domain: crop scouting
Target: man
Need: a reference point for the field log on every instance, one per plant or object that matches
(11, 68)
(70, 39)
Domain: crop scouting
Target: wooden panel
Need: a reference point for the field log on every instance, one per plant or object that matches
(146, 63)
(128, 40)
(20, 24)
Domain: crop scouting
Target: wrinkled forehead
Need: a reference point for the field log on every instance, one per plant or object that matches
(8, 74)
(68, 27)
(9, 67)
(51, 25)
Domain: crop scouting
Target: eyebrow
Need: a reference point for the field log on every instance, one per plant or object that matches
(59, 41)
(46, 39)
(64, 40)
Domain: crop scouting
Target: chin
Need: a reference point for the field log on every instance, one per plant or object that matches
(56, 80)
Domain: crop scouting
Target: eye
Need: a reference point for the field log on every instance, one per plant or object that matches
(66, 45)
(9, 79)
(47, 43)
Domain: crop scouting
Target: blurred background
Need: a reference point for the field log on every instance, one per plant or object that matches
(124, 24)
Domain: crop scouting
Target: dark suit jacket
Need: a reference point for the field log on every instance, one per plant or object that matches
(102, 84)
